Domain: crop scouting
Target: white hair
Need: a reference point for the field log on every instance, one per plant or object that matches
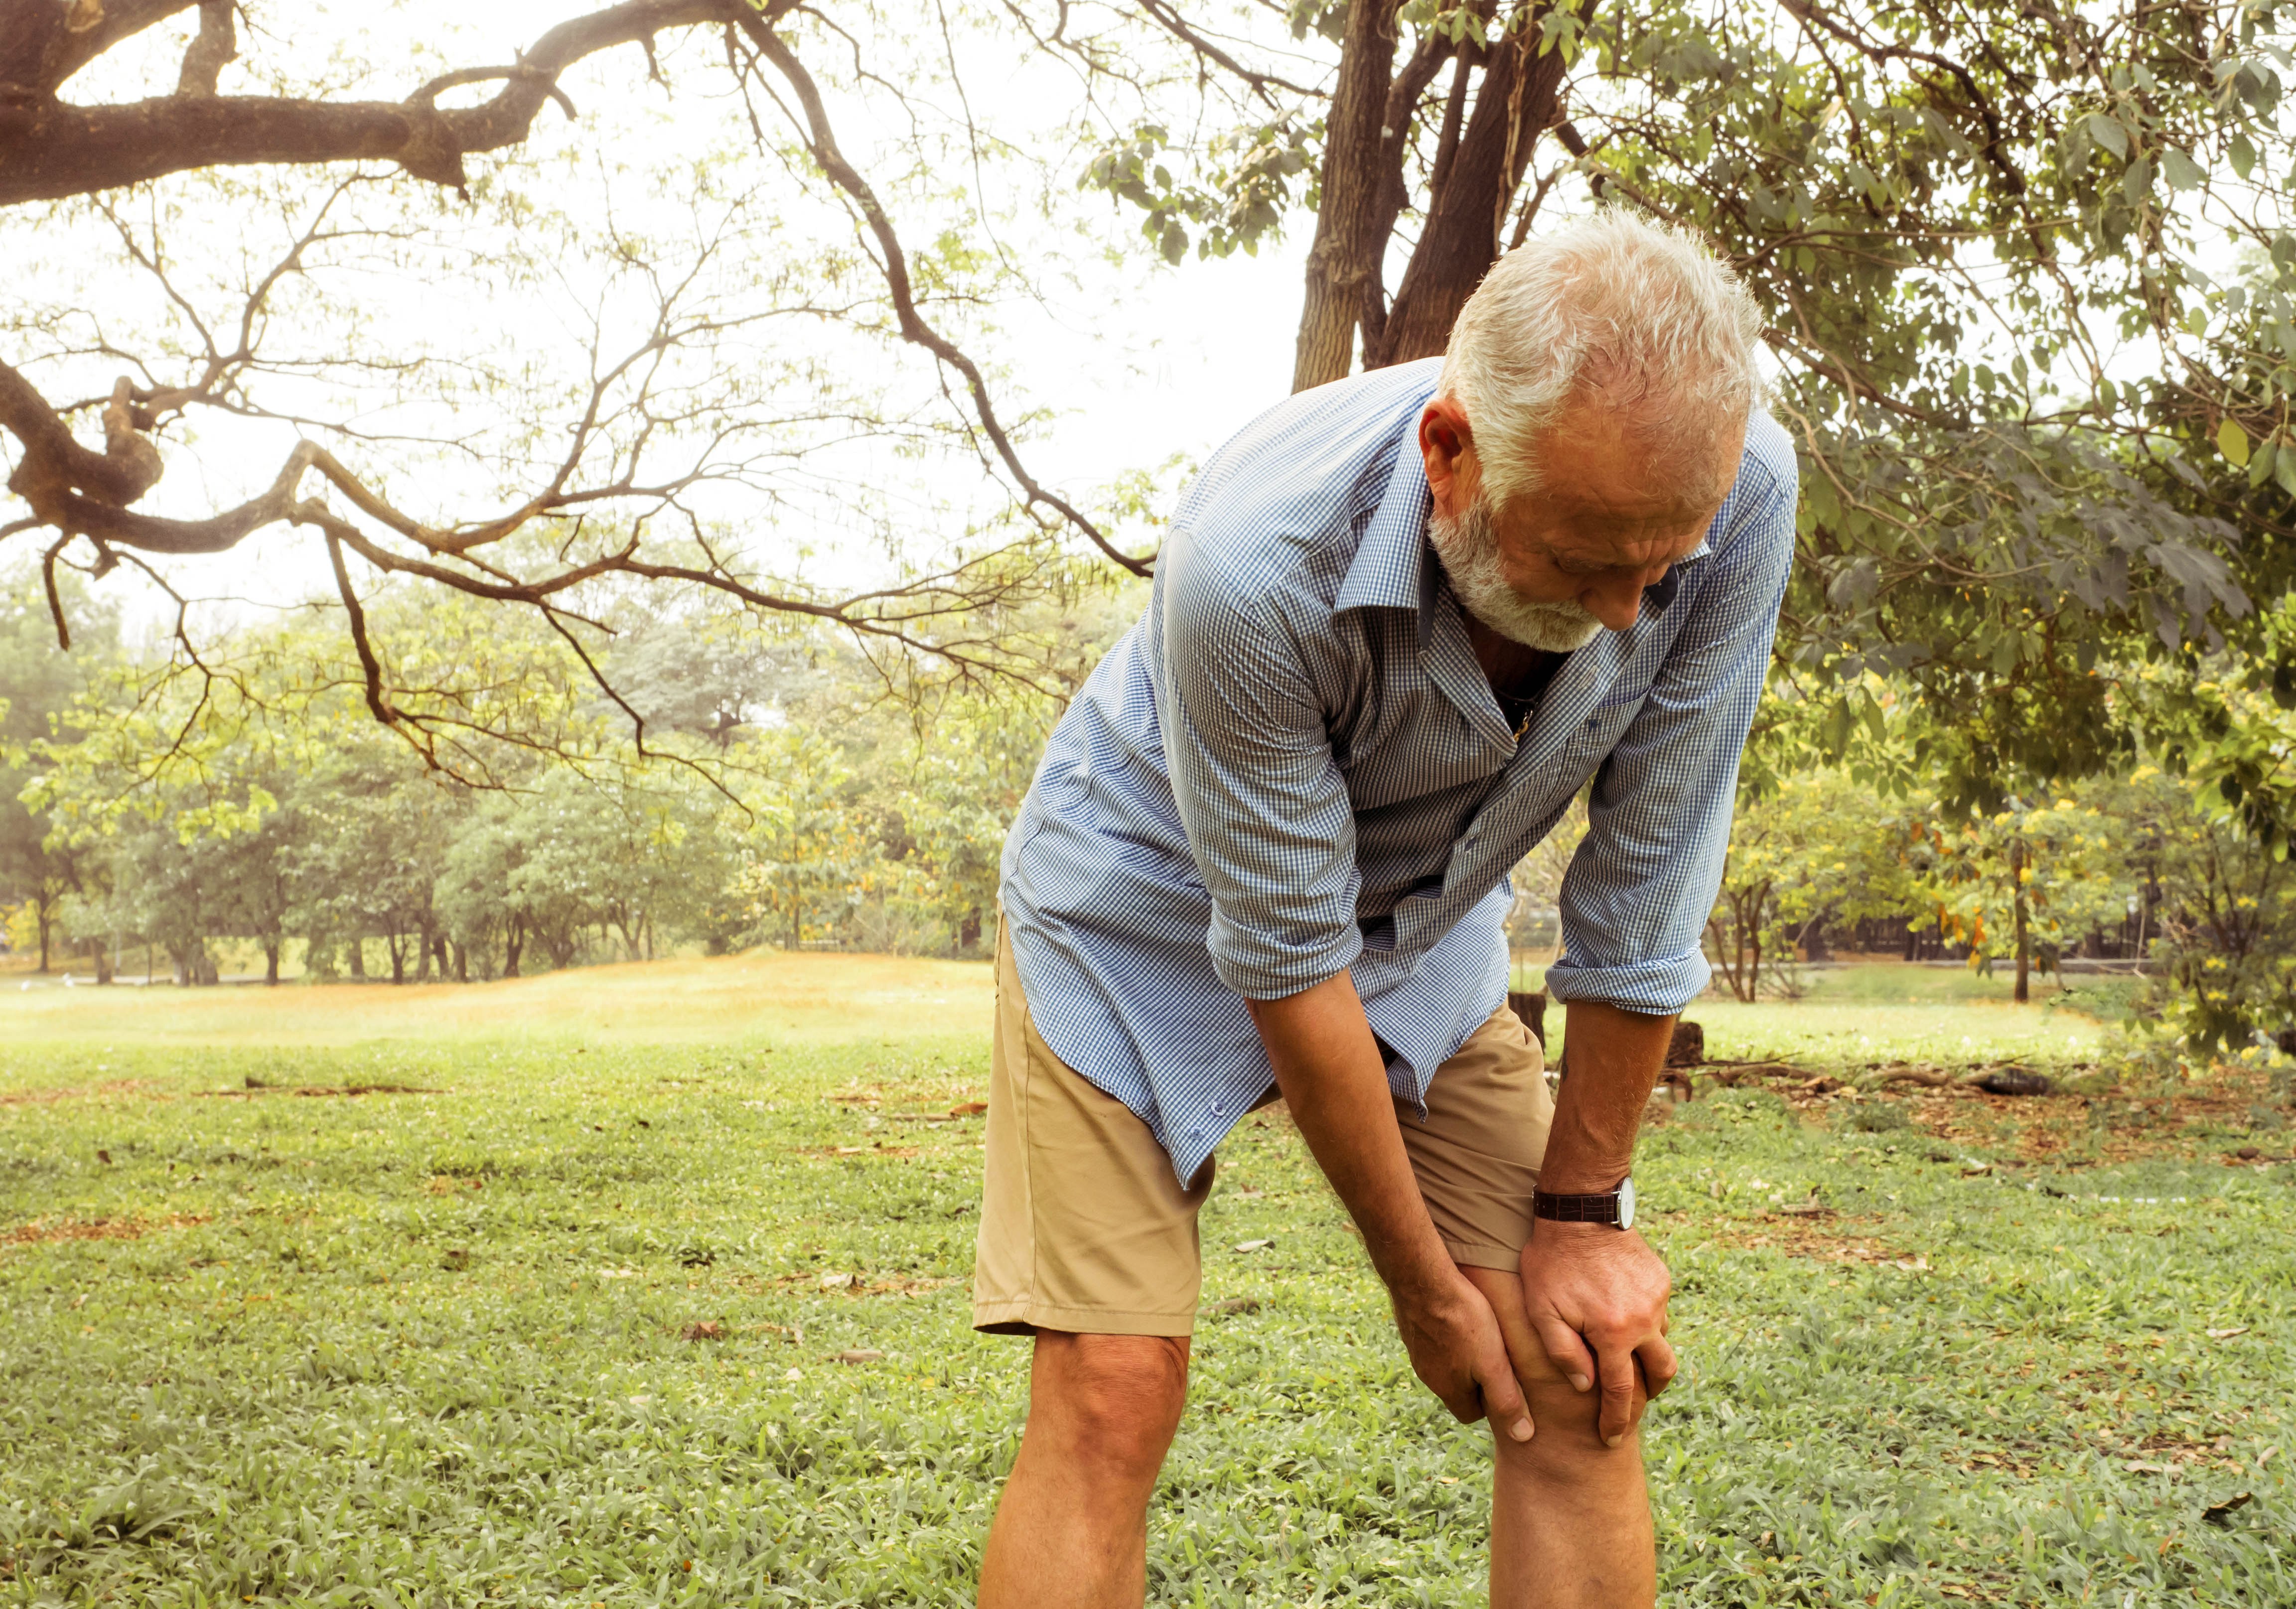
(1632, 314)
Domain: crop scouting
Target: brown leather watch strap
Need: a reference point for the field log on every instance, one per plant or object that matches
(1575, 1209)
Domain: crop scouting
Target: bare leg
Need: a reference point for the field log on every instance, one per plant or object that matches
(1570, 1523)
(1071, 1529)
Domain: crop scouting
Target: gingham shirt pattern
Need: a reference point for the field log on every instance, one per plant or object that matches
(1293, 764)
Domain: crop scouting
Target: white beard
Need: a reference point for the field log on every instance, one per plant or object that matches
(1469, 551)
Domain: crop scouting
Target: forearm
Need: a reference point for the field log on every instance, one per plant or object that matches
(1614, 1059)
(1329, 1067)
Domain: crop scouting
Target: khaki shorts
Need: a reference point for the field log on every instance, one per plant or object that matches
(1083, 1229)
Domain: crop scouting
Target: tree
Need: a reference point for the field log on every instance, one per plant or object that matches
(1813, 848)
(40, 688)
(811, 855)
(2025, 882)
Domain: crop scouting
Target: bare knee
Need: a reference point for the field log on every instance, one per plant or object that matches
(1567, 1453)
(1108, 1403)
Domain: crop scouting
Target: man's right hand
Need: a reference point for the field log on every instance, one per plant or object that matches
(1330, 1068)
(1456, 1351)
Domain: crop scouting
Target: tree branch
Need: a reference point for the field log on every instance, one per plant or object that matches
(822, 142)
(216, 45)
(54, 465)
(50, 149)
(42, 43)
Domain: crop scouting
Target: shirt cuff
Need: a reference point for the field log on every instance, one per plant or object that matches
(1259, 968)
(1657, 988)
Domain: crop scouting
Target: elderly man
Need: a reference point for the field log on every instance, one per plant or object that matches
(1400, 622)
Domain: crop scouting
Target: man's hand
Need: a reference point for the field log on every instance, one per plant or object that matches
(1595, 1294)
(1456, 1351)
(1596, 1298)
(1328, 1065)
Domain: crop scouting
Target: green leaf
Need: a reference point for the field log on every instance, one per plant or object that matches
(2232, 441)
(2242, 154)
(2283, 470)
(2108, 132)
(2180, 170)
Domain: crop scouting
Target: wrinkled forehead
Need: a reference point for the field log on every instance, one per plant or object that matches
(1600, 527)
(1608, 493)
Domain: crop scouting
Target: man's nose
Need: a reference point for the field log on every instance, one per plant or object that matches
(1617, 600)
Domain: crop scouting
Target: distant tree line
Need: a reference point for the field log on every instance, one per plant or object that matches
(788, 798)
(2143, 867)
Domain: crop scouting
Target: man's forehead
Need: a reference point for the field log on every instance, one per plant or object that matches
(1621, 533)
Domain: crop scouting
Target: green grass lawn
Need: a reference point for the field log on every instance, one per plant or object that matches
(432, 1348)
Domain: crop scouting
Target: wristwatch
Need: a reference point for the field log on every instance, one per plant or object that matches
(1616, 1207)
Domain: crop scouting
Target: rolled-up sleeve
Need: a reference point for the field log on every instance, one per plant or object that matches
(1643, 883)
(1264, 805)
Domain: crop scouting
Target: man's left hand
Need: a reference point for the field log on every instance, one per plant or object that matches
(1596, 1299)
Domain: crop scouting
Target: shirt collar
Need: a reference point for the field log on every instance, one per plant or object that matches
(1389, 570)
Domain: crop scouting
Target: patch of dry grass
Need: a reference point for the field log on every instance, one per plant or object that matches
(689, 1000)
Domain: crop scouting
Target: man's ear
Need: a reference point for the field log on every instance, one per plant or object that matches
(1447, 445)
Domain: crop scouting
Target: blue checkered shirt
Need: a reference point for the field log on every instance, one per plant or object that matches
(1292, 765)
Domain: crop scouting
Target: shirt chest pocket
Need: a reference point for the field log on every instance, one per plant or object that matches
(1607, 721)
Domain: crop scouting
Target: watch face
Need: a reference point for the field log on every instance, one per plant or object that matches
(1626, 1205)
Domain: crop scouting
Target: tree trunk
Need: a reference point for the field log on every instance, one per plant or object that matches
(271, 961)
(40, 914)
(1480, 162)
(462, 963)
(357, 947)
(1337, 261)
(102, 961)
(1472, 196)
(396, 944)
(514, 941)
(2019, 858)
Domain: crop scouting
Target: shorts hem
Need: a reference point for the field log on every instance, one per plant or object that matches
(1487, 1254)
(1021, 1316)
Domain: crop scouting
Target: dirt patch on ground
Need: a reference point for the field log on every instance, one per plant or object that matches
(43, 1231)
(2095, 1124)
(839, 1283)
(1822, 1237)
(912, 1097)
(2116, 1125)
(257, 1091)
